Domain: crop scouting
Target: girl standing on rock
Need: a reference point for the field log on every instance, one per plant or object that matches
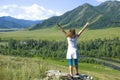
(72, 52)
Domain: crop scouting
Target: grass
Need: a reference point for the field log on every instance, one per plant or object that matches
(56, 34)
(113, 63)
(18, 68)
(99, 72)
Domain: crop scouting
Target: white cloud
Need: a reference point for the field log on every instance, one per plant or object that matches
(101, 0)
(106, 0)
(33, 12)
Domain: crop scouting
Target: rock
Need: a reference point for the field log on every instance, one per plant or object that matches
(58, 75)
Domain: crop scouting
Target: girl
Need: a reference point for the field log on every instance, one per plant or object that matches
(72, 52)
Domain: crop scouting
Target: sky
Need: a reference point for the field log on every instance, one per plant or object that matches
(40, 9)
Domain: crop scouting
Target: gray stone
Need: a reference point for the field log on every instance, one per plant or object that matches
(58, 75)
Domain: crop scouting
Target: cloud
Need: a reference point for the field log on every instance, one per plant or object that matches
(101, 0)
(33, 12)
(106, 0)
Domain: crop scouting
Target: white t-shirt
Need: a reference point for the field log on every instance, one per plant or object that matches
(72, 51)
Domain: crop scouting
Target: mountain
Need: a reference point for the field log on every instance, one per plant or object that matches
(10, 22)
(104, 15)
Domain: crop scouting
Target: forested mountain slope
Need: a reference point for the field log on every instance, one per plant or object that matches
(104, 15)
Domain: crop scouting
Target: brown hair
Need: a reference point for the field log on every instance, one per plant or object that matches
(72, 33)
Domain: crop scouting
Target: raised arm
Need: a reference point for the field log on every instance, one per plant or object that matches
(85, 26)
(62, 29)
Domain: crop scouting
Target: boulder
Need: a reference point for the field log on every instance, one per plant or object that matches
(58, 75)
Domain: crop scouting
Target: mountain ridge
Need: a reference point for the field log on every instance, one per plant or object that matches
(10, 22)
(104, 15)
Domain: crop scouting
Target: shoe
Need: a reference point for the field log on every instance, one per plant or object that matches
(77, 74)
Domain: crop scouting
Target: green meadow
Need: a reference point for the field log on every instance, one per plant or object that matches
(56, 34)
(19, 68)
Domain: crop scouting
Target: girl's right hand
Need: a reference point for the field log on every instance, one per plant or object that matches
(58, 25)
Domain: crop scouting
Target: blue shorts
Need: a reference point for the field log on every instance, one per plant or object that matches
(70, 62)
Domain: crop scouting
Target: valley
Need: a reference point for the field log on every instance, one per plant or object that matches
(55, 34)
(29, 48)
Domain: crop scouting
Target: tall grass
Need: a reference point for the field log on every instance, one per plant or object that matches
(21, 69)
(18, 68)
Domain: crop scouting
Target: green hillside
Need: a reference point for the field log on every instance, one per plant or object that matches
(104, 15)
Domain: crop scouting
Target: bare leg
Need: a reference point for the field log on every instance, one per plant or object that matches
(76, 66)
(76, 69)
(71, 70)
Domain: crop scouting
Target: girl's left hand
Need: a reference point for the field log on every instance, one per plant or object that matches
(88, 23)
